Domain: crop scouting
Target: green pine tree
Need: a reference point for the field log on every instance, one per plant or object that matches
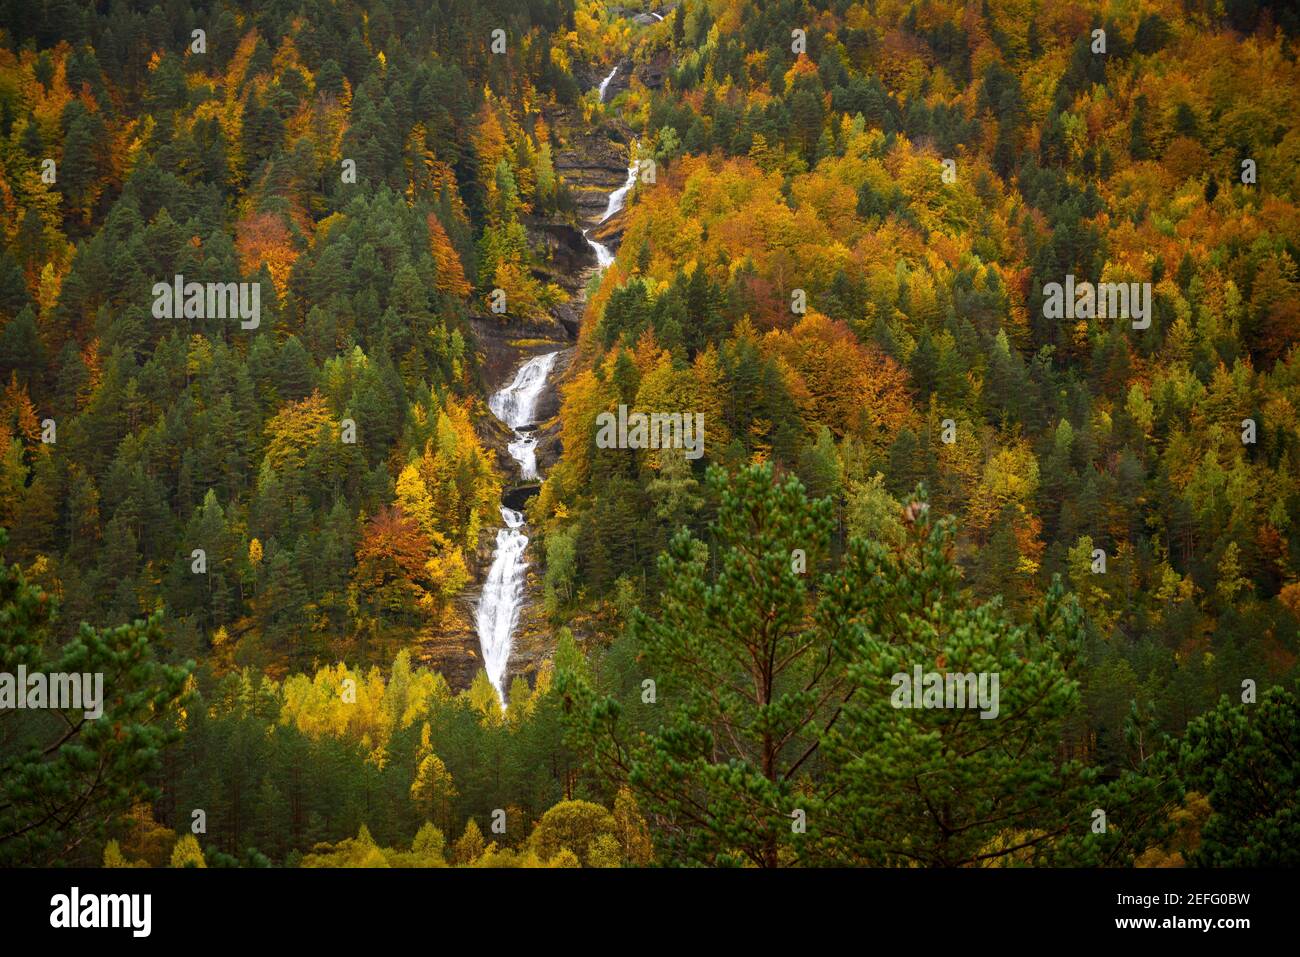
(64, 777)
(744, 671)
(1246, 759)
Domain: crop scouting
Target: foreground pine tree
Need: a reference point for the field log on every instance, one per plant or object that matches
(744, 680)
(945, 786)
(1246, 759)
(64, 778)
(776, 736)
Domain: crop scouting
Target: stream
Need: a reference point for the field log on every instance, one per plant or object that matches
(503, 591)
(616, 199)
(502, 599)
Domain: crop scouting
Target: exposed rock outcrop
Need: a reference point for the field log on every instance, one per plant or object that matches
(593, 164)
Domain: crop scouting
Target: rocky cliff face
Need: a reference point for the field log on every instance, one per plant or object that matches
(593, 162)
(610, 232)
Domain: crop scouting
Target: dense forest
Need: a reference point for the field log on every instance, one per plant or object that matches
(844, 230)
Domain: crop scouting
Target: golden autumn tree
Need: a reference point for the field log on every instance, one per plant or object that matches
(432, 790)
(451, 275)
(297, 427)
(389, 575)
(264, 239)
(849, 387)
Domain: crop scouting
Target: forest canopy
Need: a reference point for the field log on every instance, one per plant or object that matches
(841, 228)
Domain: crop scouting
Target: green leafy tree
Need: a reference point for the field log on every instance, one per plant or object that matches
(577, 826)
(187, 852)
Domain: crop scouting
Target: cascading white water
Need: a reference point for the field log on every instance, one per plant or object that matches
(616, 200)
(603, 256)
(604, 84)
(524, 451)
(498, 608)
(516, 406)
(499, 605)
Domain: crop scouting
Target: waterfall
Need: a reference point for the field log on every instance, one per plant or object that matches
(524, 451)
(498, 608)
(516, 406)
(604, 84)
(603, 256)
(616, 200)
(503, 591)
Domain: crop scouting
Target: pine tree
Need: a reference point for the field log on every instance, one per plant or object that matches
(917, 781)
(432, 791)
(1243, 757)
(745, 671)
(469, 847)
(78, 775)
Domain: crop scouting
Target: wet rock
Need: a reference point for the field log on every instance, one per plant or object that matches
(610, 232)
(568, 255)
(452, 649)
(504, 342)
(548, 405)
(569, 314)
(594, 164)
(534, 639)
(652, 73)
